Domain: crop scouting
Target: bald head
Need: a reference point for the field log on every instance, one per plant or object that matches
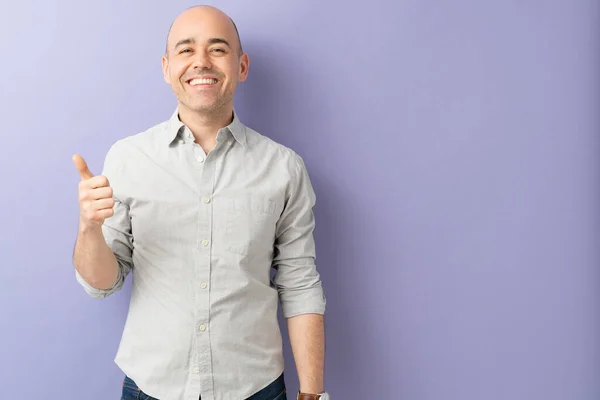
(198, 15)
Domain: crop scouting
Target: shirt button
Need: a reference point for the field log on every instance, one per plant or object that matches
(229, 142)
(180, 141)
(202, 328)
(205, 242)
(196, 370)
(206, 200)
(200, 159)
(203, 285)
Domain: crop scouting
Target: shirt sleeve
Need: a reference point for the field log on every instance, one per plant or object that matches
(116, 229)
(297, 280)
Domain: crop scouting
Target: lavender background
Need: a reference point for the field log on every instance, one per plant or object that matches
(454, 150)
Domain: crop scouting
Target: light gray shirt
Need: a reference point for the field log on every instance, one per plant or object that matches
(200, 233)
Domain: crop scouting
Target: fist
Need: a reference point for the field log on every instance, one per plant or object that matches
(95, 195)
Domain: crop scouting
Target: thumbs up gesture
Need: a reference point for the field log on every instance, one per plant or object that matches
(95, 196)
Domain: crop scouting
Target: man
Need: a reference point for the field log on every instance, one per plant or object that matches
(199, 208)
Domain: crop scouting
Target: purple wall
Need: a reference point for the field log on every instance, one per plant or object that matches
(455, 152)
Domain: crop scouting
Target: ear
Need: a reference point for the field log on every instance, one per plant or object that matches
(165, 68)
(244, 65)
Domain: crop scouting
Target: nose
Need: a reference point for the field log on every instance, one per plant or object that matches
(202, 60)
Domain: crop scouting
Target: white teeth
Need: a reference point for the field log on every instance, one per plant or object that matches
(203, 81)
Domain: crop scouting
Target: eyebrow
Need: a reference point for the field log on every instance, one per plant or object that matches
(185, 41)
(210, 41)
(219, 40)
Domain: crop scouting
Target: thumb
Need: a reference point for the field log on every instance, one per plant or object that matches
(82, 167)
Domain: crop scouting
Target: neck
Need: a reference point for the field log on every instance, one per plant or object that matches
(204, 126)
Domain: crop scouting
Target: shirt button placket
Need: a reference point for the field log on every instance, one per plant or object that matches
(206, 166)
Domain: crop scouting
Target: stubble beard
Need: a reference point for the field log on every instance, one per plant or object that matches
(202, 106)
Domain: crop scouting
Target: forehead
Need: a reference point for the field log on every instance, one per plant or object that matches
(201, 25)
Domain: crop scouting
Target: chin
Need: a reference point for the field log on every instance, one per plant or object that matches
(206, 109)
(199, 106)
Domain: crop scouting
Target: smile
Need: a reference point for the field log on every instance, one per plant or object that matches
(203, 81)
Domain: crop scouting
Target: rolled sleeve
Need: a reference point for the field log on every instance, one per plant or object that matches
(116, 229)
(297, 280)
(102, 293)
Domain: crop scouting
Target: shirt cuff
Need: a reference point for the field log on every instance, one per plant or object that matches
(303, 301)
(97, 293)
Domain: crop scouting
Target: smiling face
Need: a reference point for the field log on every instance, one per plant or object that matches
(203, 62)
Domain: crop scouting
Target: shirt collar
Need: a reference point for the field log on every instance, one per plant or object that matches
(236, 127)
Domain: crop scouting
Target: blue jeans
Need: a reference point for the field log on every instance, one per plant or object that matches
(275, 391)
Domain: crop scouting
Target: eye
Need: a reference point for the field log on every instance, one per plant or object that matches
(185, 51)
(218, 50)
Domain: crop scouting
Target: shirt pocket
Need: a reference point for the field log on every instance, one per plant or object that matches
(250, 224)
